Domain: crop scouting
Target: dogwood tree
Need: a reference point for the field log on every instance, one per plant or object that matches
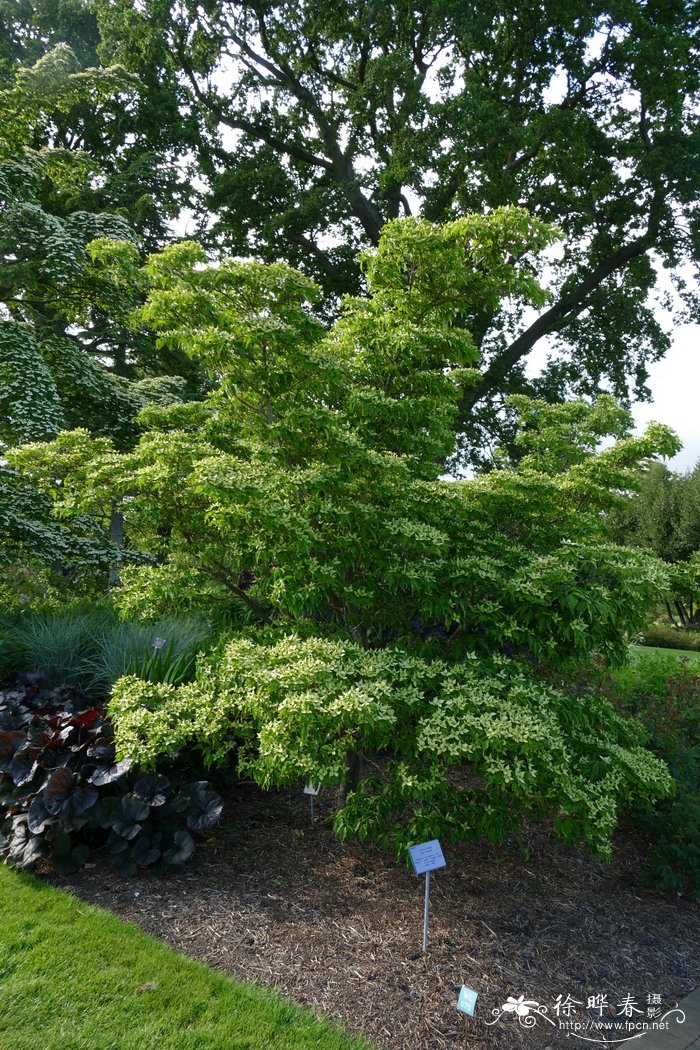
(383, 610)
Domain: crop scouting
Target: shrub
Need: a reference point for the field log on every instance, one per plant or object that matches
(665, 636)
(462, 751)
(62, 792)
(663, 694)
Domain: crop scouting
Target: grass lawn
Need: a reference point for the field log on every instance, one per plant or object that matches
(652, 650)
(75, 977)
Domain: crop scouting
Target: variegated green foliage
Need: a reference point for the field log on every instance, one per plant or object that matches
(30, 533)
(70, 276)
(30, 408)
(55, 299)
(465, 749)
(56, 84)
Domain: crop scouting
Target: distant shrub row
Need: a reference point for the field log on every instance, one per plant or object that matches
(665, 636)
(663, 693)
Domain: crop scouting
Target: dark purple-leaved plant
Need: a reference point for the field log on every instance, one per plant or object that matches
(62, 792)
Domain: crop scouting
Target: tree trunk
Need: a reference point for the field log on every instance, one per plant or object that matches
(354, 773)
(116, 538)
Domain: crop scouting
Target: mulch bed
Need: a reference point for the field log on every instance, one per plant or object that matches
(338, 927)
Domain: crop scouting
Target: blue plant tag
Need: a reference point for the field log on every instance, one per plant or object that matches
(467, 1000)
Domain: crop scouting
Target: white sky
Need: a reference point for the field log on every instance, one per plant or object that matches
(675, 385)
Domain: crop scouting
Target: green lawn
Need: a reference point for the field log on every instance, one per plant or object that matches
(76, 978)
(652, 650)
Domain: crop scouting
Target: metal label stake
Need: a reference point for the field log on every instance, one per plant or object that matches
(426, 857)
(312, 791)
(426, 912)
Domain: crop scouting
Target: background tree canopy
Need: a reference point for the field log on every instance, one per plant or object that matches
(295, 131)
(320, 121)
(664, 516)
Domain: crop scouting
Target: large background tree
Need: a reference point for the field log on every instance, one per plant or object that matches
(130, 143)
(664, 514)
(67, 354)
(320, 121)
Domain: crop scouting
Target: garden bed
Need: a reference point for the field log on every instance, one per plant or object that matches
(338, 926)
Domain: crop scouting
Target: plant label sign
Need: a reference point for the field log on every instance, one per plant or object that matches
(312, 789)
(426, 856)
(158, 643)
(467, 1000)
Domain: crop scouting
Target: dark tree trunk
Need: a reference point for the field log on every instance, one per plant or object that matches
(116, 538)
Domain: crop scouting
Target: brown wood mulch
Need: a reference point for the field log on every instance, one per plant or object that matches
(338, 927)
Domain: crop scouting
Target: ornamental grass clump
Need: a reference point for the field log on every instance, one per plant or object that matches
(90, 648)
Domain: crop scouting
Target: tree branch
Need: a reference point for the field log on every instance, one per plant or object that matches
(570, 304)
(338, 162)
(313, 249)
(256, 131)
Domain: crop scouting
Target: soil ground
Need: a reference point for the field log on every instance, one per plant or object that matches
(338, 927)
